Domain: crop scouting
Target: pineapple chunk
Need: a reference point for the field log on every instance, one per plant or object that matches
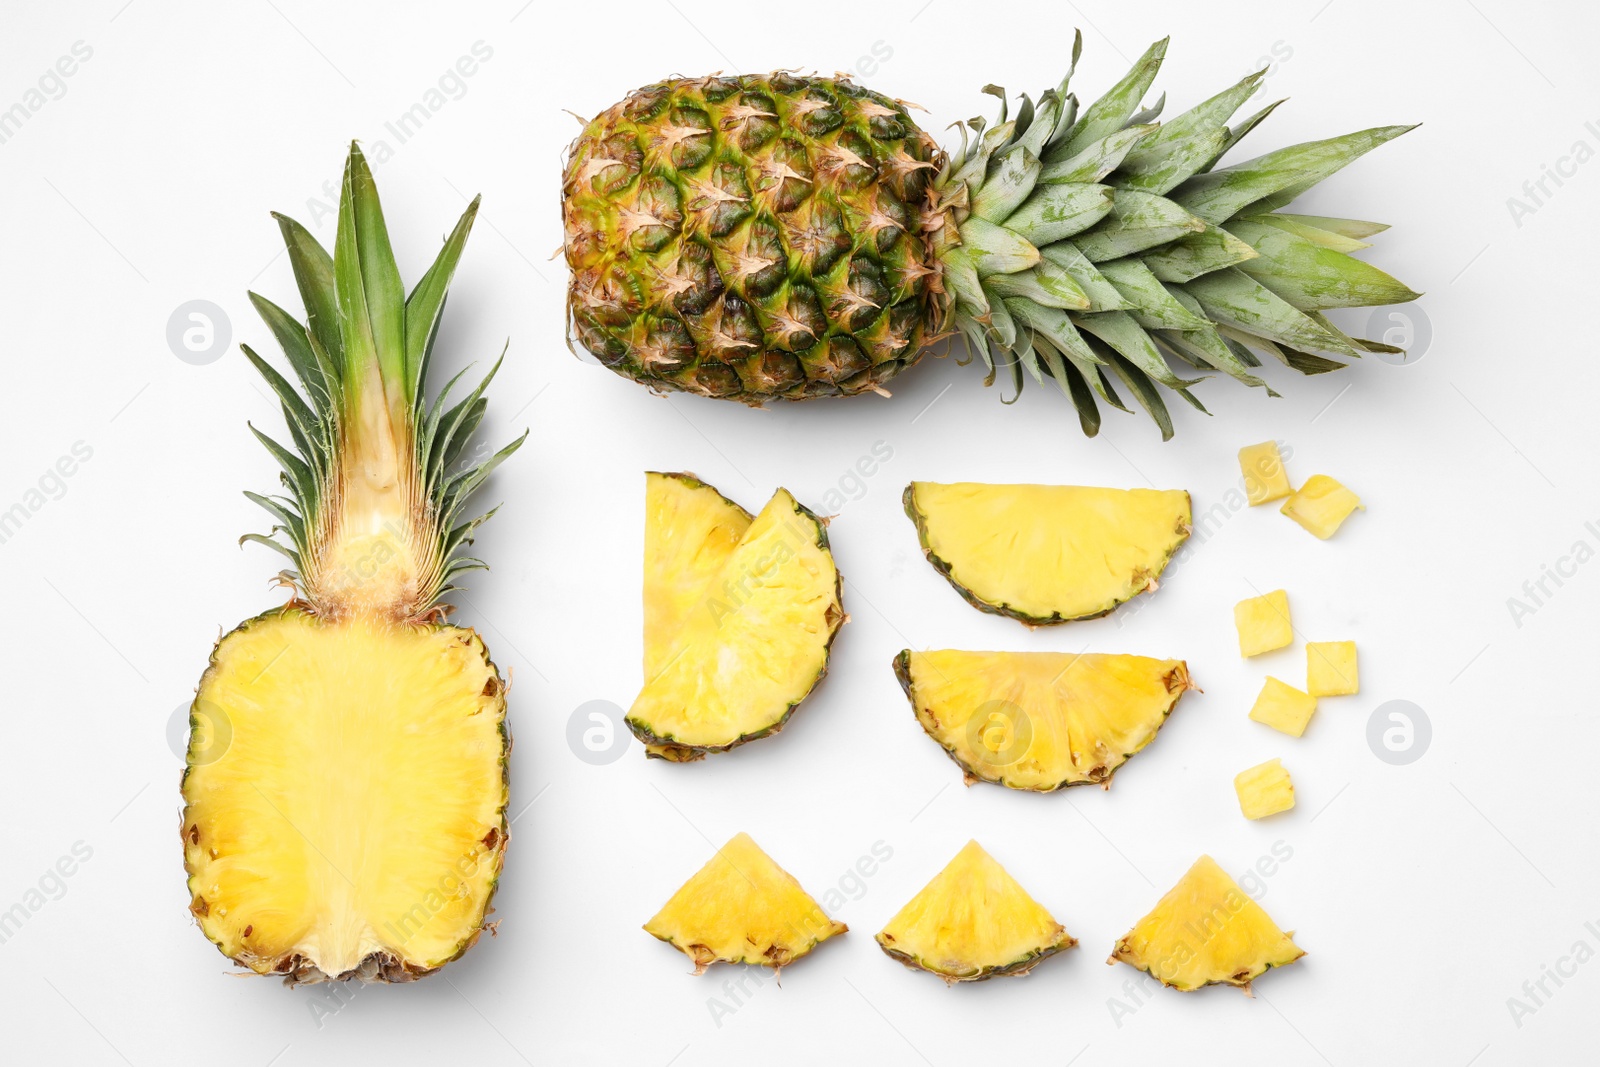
(741, 907)
(1283, 707)
(1047, 553)
(1040, 720)
(973, 921)
(1265, 478)
(1263, 623)
(754, 641)
(1205, 931)
(1264, 789)
(1321, 505)
(1331, 668)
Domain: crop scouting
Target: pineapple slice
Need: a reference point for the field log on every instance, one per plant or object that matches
(690, 530)
(1321, 505)
(1206, 931)
(972, 922)
(1283, 707)
(1264, 789)
(753, 643)
(1265, 478)
(1263, 623)
(1040, 721)
(1047, 553)
(741, 907)
(1331, 669)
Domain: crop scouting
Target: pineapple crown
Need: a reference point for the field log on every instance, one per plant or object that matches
(1087, 246)
(373, 520)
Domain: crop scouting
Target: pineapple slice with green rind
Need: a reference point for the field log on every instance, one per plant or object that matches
(973, 921)
(752, 647)
(1040, 721)
(1263, 623)
(1206, 931)
(741, 907)
(1264, 789)
(1047, 553)
(1321, 505)
(1331, 668)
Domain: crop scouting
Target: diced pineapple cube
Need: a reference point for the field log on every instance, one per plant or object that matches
(1265, 478)
(1264, 790)
(1331, 668)
(1283, 707)
(1263, 623)
(1321, 505)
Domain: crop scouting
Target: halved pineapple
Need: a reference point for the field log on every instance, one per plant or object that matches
(1040, 720)
(741, 907)
(1047, 553)
(1206, 931)
(973, 921)
(731, 646)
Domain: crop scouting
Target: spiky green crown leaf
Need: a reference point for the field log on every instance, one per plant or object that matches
(1090, 246)
(361, 360)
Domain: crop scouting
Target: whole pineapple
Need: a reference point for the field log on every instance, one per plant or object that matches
(783, 237)
(345, 795)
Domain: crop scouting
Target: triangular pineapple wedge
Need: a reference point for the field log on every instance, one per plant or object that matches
(690, 530)
(972, 922)
(742, 908)
(1047, 553)
(1040, 720)
(750, 643)
(1206, 931)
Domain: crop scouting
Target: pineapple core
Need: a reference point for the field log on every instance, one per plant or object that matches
(1263, 623)
(1264, 790)
(1321, 505)
(1265, 478)
(352, 815)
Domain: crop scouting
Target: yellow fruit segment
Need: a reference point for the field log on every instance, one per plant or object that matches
(1321, 505)
(1331, 669)
(752, 646)
(1265, 478)
(972, 922)
(690, 530)
(1263, 623)
(1047, 553)
(1206, 931)
(1040, 720)
(1283, 707)
(1264, 789)
(741, 907)
(345, 805)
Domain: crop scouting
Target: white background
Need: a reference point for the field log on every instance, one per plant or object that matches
(1426, 895)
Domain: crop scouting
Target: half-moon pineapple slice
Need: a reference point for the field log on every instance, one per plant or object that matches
(730, 661)
(1206, 931)
(1040, 720)
(972, 922)
(741, 907)
(1047, 553)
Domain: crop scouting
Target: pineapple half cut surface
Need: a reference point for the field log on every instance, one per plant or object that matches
(741, 907)
(1040, 721)
(1206, 931)
(972, 922)
(345, 790)
(1047, 553)
(740, 615)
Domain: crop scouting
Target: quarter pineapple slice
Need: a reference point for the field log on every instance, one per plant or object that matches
(973, 921)
(1206, 931)
(345, 815)
(1047, 553)
(741, 907)
(1040, 721)
(735, 637)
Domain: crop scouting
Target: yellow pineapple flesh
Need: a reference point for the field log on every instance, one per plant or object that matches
(1263, 623)
(973, 921)
(1283, 707)
(741, 907)
(1265, 477)
(1321, 505)
(1264, 789)
(1331, 668)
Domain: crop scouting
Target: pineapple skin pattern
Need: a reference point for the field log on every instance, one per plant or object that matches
(777, 236)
